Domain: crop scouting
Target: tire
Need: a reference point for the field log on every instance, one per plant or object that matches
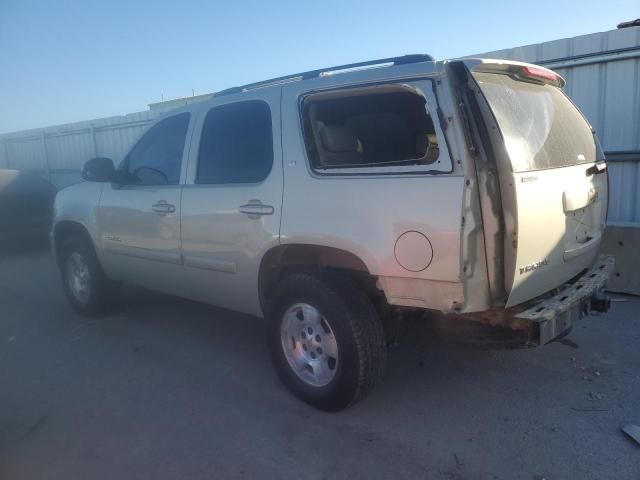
(349, 330)
(100, 294)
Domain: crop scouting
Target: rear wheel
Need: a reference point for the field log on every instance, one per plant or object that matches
(87, 288)
(325, 338)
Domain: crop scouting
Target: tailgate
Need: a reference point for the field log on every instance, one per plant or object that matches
(557, 172)
(559, 226)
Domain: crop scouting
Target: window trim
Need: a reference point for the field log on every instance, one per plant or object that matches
(410, 85)
(206, 113)
(185, 148)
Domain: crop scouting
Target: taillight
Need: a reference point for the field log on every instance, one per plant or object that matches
(540, 73)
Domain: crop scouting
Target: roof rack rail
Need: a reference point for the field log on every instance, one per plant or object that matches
(401, 60)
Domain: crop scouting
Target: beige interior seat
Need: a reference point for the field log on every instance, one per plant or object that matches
(340, 146)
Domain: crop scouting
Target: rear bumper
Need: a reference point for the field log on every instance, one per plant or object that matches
(555, 315)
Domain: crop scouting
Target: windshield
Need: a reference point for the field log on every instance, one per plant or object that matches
(541, 127)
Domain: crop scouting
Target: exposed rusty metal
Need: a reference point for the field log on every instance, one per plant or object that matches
(545, 318)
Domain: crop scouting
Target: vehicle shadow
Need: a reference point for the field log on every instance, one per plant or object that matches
(194, 337)
(24, 246)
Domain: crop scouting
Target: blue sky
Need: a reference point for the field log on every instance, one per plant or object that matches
(64, 61)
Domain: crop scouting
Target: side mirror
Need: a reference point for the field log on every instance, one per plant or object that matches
(99, 169)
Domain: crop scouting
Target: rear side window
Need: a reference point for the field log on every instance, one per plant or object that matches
(157, 157)
(369, 128)
(236, 144)
(540, 126)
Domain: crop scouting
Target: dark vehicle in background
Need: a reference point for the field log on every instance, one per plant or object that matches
(26, 206)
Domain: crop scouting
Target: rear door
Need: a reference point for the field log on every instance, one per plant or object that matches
(231, 204)
(557, 176)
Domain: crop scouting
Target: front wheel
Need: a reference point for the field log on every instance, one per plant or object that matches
(87, 288)
(325, 338)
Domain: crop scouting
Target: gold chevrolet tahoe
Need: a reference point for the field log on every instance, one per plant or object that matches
(474, 188)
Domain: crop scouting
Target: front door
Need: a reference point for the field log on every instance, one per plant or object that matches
(231, 204)
(139, 217)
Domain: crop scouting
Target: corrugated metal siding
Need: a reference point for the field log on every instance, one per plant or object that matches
(60, 151)
(624, 179)
(67, 150)
(114, 142)
(27, 154)
(4, 160)
(608, 92)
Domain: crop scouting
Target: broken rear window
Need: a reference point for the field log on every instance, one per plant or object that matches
(388, 128)
(541, 127)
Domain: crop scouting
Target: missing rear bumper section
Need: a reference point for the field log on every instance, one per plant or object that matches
(551, 316)
(554, 316)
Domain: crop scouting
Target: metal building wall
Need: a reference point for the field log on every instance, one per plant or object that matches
(603, 78)
(59, 152)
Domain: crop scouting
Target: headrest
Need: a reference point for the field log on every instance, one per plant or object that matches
(338, 139)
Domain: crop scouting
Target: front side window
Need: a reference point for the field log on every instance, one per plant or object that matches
(389, 129)
(236, 144)
(157, 157)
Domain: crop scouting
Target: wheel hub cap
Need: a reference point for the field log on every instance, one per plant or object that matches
(78, 277)
(309, 344)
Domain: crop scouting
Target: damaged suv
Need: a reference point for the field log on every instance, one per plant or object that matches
(326, 200)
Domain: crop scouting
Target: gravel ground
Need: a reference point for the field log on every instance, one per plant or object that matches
(167, 388)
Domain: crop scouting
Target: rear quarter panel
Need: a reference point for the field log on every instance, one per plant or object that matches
(365, 215)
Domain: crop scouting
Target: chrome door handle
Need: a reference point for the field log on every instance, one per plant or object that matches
(255, 209)
(162, 207)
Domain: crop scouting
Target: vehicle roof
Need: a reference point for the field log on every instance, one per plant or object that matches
(424, 62)
(393, 61)
(413, 64)
(374, 70)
